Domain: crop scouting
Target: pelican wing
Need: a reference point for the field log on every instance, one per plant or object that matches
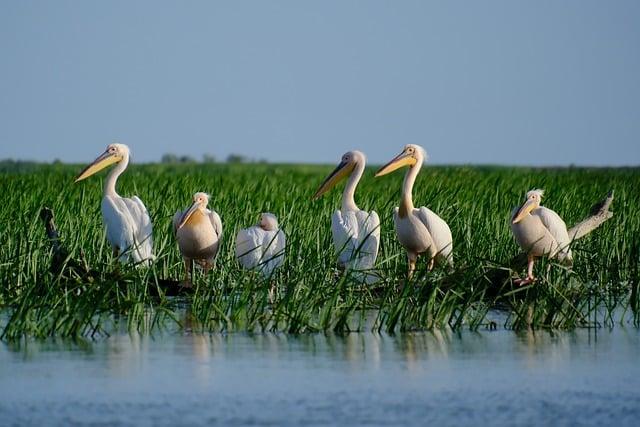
(440, 233)
(118, 224)
(356, 237)
(129, 227)
(216, 222)
(145, 229)
(557, 228)
(369, 245)
(249, 247)
(369, 238)
(344, 228)
(273, 247)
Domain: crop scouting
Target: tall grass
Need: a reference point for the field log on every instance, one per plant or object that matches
(601, 289)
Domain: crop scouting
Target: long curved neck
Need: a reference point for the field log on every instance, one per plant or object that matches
(406, 200)
(112, 178)
(348, 202)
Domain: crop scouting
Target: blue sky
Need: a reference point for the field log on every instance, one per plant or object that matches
(510, 82)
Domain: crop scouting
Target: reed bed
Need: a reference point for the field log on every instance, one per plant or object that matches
(311, 294)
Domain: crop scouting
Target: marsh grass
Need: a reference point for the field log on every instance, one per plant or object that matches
(311, 294)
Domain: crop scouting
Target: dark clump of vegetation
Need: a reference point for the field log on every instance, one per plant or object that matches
(311, 295)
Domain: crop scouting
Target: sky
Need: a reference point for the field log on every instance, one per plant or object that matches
(491, 82)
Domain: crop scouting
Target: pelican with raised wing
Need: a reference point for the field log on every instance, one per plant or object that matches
(356, 233)
(261, 247)
(540, 232)
(419, 230)
(129, 229)
(198, 232)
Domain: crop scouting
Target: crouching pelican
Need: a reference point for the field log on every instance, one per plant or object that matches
(356, 233)
(540, 232)
(261, 247)
(129, 229)
(419, 230)
(198, 232)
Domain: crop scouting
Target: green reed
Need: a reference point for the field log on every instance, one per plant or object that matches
(310, 293)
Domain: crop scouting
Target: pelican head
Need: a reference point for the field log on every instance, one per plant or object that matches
(200, 202)
(348, 162)
(411, 155)
(534, 197)
(268, 222)
(113, 154)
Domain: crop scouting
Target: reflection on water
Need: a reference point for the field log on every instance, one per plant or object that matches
(361, 378)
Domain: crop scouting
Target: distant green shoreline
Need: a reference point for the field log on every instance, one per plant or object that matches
(8, 166)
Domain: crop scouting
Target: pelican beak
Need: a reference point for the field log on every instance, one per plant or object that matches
(339, 173)
(527, 207)
(104, 160)
(185, 216)
(402, 159)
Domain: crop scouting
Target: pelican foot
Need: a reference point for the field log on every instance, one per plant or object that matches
(526, 281)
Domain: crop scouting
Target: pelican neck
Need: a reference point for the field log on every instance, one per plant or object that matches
(348, 201)
(112, 178)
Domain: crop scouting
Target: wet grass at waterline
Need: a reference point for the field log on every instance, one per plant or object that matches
(311, 295)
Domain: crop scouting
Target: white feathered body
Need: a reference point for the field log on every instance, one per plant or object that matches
(199, 238)
(260, 249)
(422, 231)
(128, 228)
(356, 237)
(543, 233)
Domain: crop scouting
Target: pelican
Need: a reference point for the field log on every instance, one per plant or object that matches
(129, 229)
(356, 233)
(198, 232)
(540, 232)
(419, 230)
(261, 246)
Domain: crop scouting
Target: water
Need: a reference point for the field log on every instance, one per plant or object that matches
(492, 377)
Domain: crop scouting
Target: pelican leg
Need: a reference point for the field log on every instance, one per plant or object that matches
(430, 264)
(411, 257)
(530, 260)
(116, 255)
(529, 279)
(207, 265)
(187, 273)
(412, 264)
(431, 253)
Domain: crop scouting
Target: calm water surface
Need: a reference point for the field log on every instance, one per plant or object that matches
(497, 378)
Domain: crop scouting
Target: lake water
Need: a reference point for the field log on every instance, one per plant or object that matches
(438, 378)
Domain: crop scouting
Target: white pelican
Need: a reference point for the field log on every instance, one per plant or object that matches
(540, 232)
(198, 232)
(356, 233)
(129, 229)
(419, 230)
(261, 246)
